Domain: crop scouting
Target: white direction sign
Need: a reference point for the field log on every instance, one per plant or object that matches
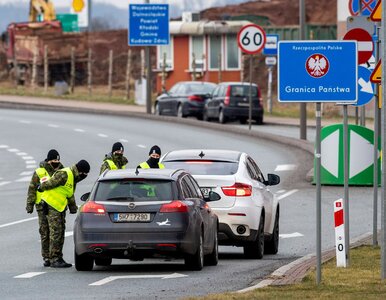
(251, 39)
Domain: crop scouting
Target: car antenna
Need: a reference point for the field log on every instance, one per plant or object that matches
(201, 154)
(136, 171)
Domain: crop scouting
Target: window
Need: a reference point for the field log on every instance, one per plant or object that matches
(168, 50)
(204, 167)
(215, 51)
(188, 190)
(174, 89)
(197, 48)
(233, 52)
(259, 174)
(194, 184)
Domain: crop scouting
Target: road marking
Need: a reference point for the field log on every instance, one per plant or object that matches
(53, 125)
(123, 141)
(30, 167)
(3, 146)
(289, 193)
(4, 183)
(24, 179)
(21, 153)
(29, 275)
(68, 233)
(102, 135)
(141, 146)
(290, 235)
(26, 173)
(18, 222)
(25, 122)
(79, 130)
(280, 192)
(13, 150)
(280, 168)
(30, 162)
(112, 278)
(27, 157)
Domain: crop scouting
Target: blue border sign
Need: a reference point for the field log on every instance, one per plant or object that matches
(271, 42)
(148, 24)
(318, 71)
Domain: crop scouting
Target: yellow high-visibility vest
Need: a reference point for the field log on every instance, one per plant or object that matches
(145, 165)
(112, 165)
(43, 176)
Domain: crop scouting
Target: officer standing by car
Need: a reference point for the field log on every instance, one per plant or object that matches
(46, 169)
(58, 194)
(153, 161)
(115, 159)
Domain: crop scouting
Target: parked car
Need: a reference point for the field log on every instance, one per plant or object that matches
(137, 214)
(248, 211)
(184, 99)
(230, 101)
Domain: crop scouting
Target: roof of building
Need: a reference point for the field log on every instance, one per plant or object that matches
(205, 27)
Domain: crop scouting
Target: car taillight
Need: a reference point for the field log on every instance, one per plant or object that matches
(259, 97)
(227, 99)
(93, 208)
(174, 206)
(195, 98)
(237, 190)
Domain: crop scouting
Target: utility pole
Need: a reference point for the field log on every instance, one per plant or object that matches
(148, 76)
(303, 106)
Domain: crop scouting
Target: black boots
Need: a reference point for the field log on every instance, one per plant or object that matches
(60, 263)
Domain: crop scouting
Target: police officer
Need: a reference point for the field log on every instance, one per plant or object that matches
(153, 161)
(58, 194)
(115, 159)
(46, 169)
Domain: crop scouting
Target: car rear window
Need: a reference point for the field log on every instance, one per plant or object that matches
(134, 190)
(243, 91)
(200, 88)
(201, 167)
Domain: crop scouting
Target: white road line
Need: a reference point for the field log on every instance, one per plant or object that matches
(112, 278)
(30, 162)
(3, 146)
(123, 141)
(25, 122)
(285, 168)
(26, 173)
(13, 150)
(21, 153)
(24, 179)
(289, 193)
(53, 125)
(102, 135)
(29, 275)
(18, 222)
(68, 233)
(4, 183)
(79, 130)
(280, 192)
(141, 146)
(290, 235)
(27, 157)
(31, 167)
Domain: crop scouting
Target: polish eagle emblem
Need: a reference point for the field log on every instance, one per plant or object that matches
(317, 65)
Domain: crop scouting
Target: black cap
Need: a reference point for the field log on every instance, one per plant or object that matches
(52, 155)
(155, 149)
(117, 147)
(83, 166)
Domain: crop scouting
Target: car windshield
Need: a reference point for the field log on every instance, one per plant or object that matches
(205, 88)
(243, 91)
(204, 167)
(134, 190)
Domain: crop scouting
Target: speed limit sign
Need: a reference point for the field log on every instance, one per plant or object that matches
(251, 39)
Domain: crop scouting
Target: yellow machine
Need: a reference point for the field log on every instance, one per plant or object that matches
(41, 7)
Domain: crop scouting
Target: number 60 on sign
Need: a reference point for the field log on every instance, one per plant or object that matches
(251, 39)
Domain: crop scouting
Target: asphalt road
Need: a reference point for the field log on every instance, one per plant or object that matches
(25, 138)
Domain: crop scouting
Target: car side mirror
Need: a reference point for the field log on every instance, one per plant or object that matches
(213, 196)
(273, 179)
(85, 197)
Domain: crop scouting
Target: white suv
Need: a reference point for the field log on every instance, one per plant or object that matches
(248, 212)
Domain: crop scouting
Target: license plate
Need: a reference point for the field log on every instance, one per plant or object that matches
(243, 104)
(205, 191)
(132, 217)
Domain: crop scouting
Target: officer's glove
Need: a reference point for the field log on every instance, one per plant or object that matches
(73, 209)
(39, 189)
(29, 209)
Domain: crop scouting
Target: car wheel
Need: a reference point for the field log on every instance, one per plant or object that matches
(103, 261)
(221, 118)
(180, 113)
(83, 262)
(212, 258)
(272, 245)
(196, 261)
(256, 248)
(156, 110)
(243, 121)
(205, 116)
(259, 120)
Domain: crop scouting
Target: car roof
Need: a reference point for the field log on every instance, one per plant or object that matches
(197, 82)
(162, 174)
(209, 154)
(237, 83)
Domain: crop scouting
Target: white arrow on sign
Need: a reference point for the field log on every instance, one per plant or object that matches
(330, 151)
(112, 278)
(366, 86)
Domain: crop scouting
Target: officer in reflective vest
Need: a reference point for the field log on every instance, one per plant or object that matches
(153, 161)
(115, 159)
(58, 194)
(46, 169)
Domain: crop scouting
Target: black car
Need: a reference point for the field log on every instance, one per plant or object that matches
(230, 101)
(136, 214)
(184, 99)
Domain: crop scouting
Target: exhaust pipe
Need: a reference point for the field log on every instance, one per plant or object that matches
(98, 250)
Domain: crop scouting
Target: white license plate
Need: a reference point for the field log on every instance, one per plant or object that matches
(205, 191)
(132, 217)
(243, 104)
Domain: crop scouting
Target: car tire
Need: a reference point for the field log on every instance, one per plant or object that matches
(259, 120)
(243, 121)
(221, 118)
(212, 258)
(156, 110)
(256, 248)
(180, 112)
(195, 262)
(103, 261)
(272, 245)
(83, 262)
(200, 117)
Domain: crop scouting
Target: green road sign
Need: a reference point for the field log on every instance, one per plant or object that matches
(361, 155)
(69, 22)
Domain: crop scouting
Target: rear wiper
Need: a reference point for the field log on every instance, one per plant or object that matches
(120, 199)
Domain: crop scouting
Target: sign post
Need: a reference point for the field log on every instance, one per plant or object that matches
(251, 39)
(339, 234)
(270, 49)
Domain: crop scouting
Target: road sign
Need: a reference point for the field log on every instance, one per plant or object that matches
(270, 60)
(317, 71)
(362, 22)
(251, 38)
(78, 5)
(339, 234)
(376, 76)
(80, 8)
(69, 22)
(271, 42)
(376, 15)
(361, 155)
(380, 96)
(365, 43)
(148, 24)
(365, 87)
(367, 7)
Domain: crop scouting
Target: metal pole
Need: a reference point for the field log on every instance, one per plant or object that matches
(269, 92)
(148, 76)
(303, 106)
(362, 119)
(318, 159)
(89, 15)
(250, 92)
(345, 199)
